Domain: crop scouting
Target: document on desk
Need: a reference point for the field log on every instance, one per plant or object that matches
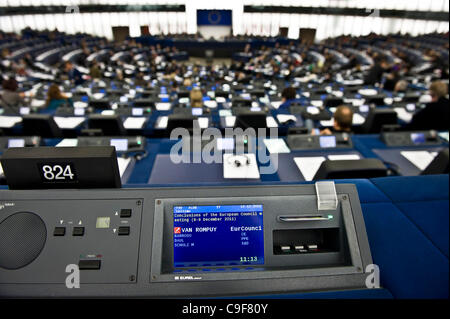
(276, 104)
(284, 118)
(162, 122)
(327, 123)
(68, 122)
(343, 157)
(164, 106)
(203, 122)
(210, 104)
(276, 146)
(358, 119)
(134, 123)
(68, 142)
(270, 122)
(420, 159)
(123, 164)
(225, 113)
(309, 166)
(9, 121)
(313, 110)
(37, 103)
(403, 114)
(230, 120)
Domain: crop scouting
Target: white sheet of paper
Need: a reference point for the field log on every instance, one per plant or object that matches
(68, 142)
(245, 171)
(163, 106)
(276, 104)
(134, 122)
(420, 159)
(37, 103)
(403, 114)
(230, 120)
(283, 118)
(9, 121)
(123, 164)
(276, 145)
(309, 166)
(312, 110)
(368, 92)
(317, 103)
(162, 122)
(220, 99)
(203, 122)
(358, 119)
(342, 157)
(327, 123)
(270, 122)
(210, 104)
(68, 122)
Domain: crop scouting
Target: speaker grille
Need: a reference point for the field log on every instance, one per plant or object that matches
(22, 238)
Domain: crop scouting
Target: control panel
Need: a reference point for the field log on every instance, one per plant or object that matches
(122, 144)
(298, 142)
(180, 242)
(19, 141)
(411, 138)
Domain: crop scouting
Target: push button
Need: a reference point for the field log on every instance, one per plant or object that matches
(78, 231)
(89, 264)
(59, 231)
(124, 231)
(125, 213)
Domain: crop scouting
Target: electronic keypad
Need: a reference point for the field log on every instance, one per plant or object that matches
(181, 242)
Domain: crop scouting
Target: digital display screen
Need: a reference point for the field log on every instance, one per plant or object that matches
(24, 110)
(327, 141)
(137, 111)
(16, 142)
(103, 222)
(411, 107)
(197, 111)
(210, 236)
(418, 138)
(121, 144)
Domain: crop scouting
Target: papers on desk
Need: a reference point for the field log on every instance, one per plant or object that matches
(163, 106)
(98, 96)
(344, 157)
(244, 170)
(37, 103)
(80, 104)
(134, 123)
(403, 114)
(220, 99)
(276, 104)
(9, 121)
(68, 142)
(270, 122)
(312, 110)
(317, 103)
(309, 166)
(276, 146)
(230, 120)
(210, 104)
(284, 118)
(68, 122)
(203, 122)
(162, 122)
(327, 123)
(123, 164)
(420, 159)
(358, 119)
(368, 92)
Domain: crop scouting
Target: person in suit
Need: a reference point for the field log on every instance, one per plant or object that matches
(74, 75)
(343, 121)
(375, 73)
(435, 115)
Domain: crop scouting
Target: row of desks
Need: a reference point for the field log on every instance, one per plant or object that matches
(157, 168)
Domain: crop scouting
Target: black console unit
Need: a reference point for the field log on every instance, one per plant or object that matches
(410, 138)
(299, 142)
(180, 242)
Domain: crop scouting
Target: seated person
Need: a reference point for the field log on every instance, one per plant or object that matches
(401, 86)
(55, 98)
(287, 96)
(343, 121)
(10, 98)
(196, 97)
(375, 73)
(74, 75)
(435, 115)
